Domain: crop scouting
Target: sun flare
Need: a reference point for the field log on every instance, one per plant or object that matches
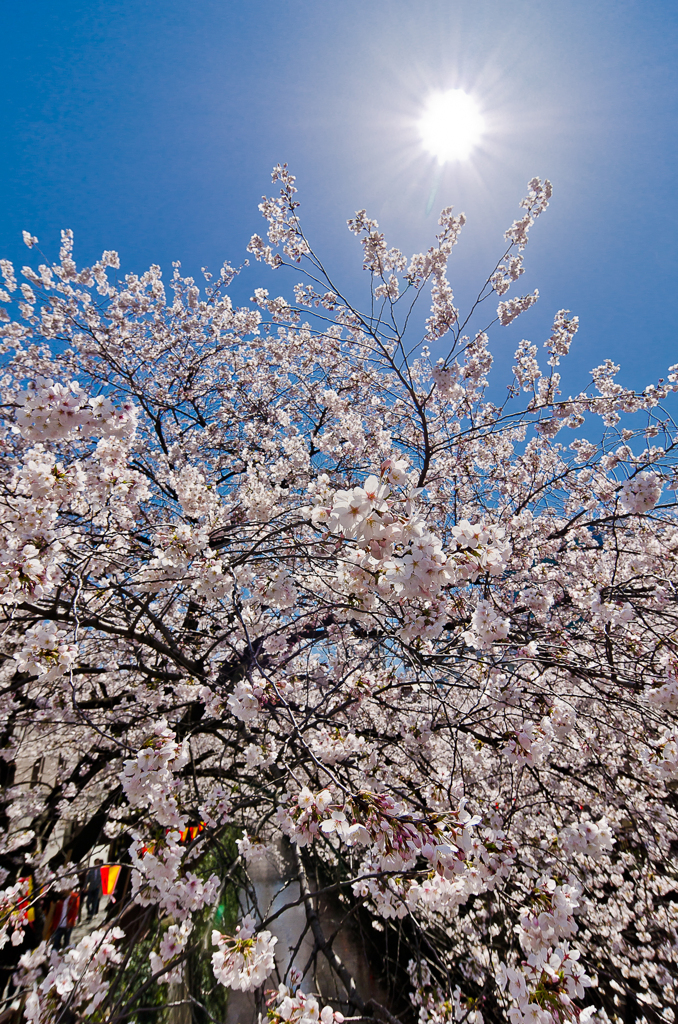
(451, 125)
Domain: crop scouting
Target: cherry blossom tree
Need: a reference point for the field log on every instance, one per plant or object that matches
(297, 574)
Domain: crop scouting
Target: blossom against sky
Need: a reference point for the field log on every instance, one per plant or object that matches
(151, 128)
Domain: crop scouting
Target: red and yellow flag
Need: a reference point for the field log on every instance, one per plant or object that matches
(109, 876)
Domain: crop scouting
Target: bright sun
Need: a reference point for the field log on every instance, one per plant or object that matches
(451, 125)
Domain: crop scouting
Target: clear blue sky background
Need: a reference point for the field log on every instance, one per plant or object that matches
(150, 127)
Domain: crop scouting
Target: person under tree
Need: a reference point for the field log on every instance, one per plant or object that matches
(93, 889)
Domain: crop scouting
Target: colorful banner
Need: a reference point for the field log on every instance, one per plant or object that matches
(188, 833)
(109, 876)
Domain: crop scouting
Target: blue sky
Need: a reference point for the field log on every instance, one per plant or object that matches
(151, 128)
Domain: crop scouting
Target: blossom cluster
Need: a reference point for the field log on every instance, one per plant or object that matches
(149, 779)
(394, 542)
(53, 410)
(12, 913)
(157, 878)
(310, 815)
(46, 651)
(546, 984)
(640, 493)
(79, 978)
(244, 961)
(296, 1007)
